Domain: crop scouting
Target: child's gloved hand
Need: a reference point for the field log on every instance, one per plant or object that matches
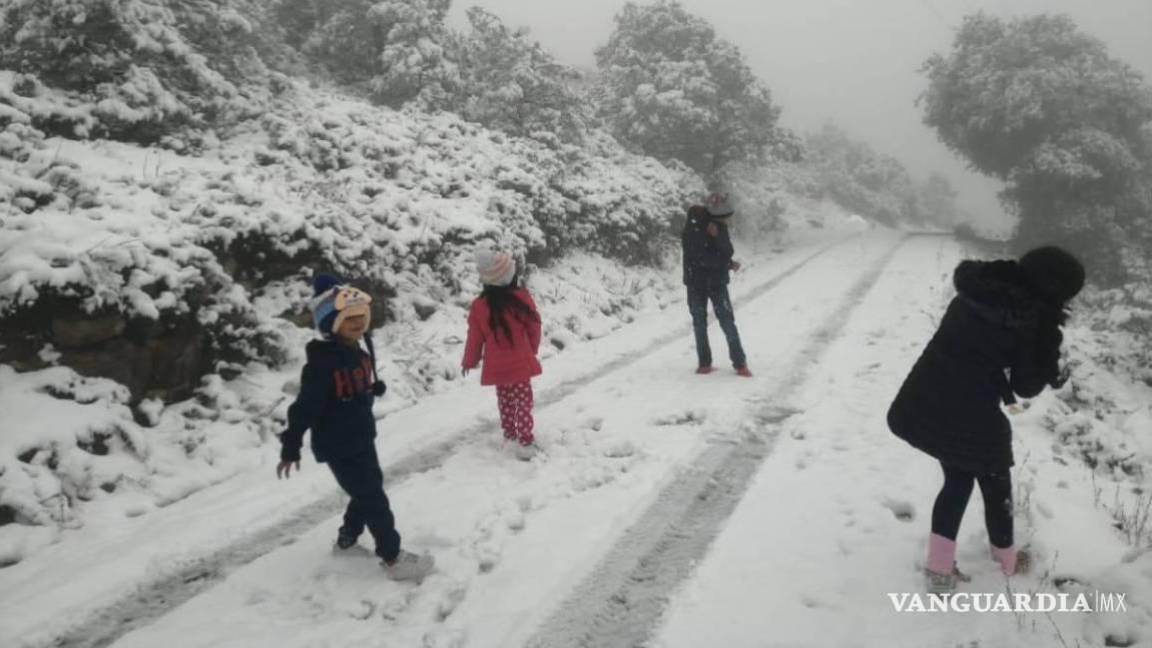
(379, 388)
(1062, 379)
(288, 458)
(464, 371)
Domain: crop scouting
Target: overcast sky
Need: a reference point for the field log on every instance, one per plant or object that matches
(852, 62)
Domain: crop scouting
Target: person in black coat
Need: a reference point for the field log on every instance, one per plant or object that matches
(999, 339)
(338, 385)
(707, 253)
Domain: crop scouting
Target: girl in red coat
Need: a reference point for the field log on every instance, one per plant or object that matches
(504, 331)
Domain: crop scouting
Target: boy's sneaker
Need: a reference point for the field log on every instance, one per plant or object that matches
(409, 566)
(704, 371)
(743, 371)
(345, 541)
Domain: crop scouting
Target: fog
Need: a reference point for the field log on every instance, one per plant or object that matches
(846, 61)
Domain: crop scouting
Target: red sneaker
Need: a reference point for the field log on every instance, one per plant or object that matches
(743, 371)
(704, 371)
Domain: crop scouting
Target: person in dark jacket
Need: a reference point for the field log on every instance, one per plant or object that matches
(337, 388)
(707, 253)
(999, 339)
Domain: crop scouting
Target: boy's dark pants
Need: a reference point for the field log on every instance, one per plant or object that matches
(698, 297)
(360, 476)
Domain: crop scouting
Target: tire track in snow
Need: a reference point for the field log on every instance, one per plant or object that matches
(619, 603)
(179, 583)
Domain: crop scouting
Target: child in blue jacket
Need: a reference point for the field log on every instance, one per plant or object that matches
(337, 387)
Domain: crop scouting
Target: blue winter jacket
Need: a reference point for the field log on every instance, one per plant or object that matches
(335, 402)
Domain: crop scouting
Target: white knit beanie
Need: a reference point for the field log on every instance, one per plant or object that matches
(495, 268)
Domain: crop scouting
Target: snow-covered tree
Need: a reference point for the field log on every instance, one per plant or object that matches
(672, 89)
(938, 199)
(145, 67)
(400, 50)
(860, 179)
(1040, 105)
(416, 62)
(511, 83)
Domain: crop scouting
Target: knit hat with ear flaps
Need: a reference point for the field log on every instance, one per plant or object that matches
(495, 268)
(719, 206)
(1054, 272)
(333, 302)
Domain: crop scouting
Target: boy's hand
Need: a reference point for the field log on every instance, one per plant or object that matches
(284, 469)
(735, 266)
(464, 371)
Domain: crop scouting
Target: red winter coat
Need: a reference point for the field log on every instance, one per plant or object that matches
(505, 363)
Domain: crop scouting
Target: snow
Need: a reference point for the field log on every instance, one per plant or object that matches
(110, 511)
(622, 420)
(824, 562)
(497, 525)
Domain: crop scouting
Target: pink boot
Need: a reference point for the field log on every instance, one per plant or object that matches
(1012, 560)
(941, 554)
(941, 572)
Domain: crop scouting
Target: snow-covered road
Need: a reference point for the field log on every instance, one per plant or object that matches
(513, 539)
(671, 509)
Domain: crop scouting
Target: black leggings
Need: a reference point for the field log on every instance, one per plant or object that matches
(953, 499)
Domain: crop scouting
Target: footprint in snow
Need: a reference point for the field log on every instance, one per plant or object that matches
(901, 509)
(687, 417)
(620, 450)
(515, 521)
(363, 610)
(450, 601)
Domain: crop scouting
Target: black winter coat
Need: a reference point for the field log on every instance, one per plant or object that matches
(335, 402)
(997, 340)
(707, 259)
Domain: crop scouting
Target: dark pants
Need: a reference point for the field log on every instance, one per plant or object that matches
(360, 476)
(698, 298)
(953, 499)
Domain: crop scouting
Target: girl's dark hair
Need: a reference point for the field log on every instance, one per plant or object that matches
(502, 302)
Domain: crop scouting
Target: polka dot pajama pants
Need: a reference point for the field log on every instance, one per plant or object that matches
(516, 411)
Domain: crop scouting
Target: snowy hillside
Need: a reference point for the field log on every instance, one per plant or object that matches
(146, 270)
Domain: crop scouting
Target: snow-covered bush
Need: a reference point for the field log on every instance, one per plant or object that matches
(1103, 412)
(134, 70)
(861, 179)
(169, 253)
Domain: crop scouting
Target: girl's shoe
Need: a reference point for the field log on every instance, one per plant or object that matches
(944, 583)
(744, 371)
(1013, 561)
(1024, 561)
(704, 371)
(409, 566)
(527, 452)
